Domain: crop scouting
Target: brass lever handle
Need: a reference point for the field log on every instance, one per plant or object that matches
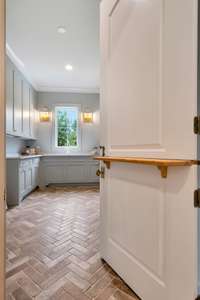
(101, 172)
(103, 149)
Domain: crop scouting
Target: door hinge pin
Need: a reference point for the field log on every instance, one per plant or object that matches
(197, 125)
(197, 199)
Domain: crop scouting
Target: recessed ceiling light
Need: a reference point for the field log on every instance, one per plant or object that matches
(61, 29)
(69, 67)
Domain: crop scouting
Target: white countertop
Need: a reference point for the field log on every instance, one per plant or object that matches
(67, 154)
(18, 156)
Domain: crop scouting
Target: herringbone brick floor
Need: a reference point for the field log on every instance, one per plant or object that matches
(52, 249)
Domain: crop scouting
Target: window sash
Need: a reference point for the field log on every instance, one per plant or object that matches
(66, 109)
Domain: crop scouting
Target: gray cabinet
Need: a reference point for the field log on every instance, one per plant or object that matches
(32, 123)
(22, 178)
(20, 104)
(17, 107)
(26, 110)
(68, 169)
(9, 98)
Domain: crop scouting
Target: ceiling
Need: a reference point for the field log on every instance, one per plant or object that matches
(41, 53)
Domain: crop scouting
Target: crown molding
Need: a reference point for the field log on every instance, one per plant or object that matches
(20, 65)
(75, 90)
(39, 88)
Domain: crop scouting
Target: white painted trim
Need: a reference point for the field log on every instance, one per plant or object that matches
(20, 65)
(76, 90)
(78, 130)
(62, 150)
(2, 146)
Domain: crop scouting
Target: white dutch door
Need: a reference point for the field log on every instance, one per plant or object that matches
(148, 102)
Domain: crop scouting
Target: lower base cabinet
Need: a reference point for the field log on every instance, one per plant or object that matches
(22, 178)
(68, 170)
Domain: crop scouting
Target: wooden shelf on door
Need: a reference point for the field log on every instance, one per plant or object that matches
(162, 164)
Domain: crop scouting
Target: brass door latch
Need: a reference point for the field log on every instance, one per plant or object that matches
(102, 150)
(101, 172)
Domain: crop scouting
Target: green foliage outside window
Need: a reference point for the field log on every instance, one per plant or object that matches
(67, 122)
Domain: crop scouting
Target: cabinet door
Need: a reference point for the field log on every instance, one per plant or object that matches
(29, 179)
(22, 182)
(9, 98)
(35, 177)
(32, 114)
(17, 104)
(25, 110)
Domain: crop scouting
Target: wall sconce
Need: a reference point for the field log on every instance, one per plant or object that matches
(88, 117)
(45, 115)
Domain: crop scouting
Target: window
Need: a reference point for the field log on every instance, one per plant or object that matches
(66, 125)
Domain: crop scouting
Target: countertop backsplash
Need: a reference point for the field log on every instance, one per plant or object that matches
(14, 145)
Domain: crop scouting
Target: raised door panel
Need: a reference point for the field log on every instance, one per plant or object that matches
(75, 173)
(17, 104)
(135, 68)
(9, 97)
(143, 87)
(35, 177)
(22, 182)
(32, 119)
(29, 179)
(91, 169)
(26, 111)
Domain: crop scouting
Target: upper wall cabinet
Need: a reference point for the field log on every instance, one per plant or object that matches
(17, 107)
(20, 104)
(26, 109)
(9, 98)
(33, 117)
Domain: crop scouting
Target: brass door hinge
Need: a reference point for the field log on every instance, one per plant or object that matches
(197, 125)
(197, 202)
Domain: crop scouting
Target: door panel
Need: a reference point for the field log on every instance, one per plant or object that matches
(26, 112)
(32, 113)
(139, 93)
(148, 102)
(151, 91)
(29, 178)
(17, 103)
(9, 98)
(22, 182)
(128, 216)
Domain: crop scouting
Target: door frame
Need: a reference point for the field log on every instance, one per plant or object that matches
(2, 147)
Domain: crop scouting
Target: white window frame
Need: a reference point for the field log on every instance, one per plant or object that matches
(69, 148)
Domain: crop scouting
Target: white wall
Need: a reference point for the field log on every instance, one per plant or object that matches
(89, 132)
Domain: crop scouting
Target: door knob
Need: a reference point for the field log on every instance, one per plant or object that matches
(101, 172)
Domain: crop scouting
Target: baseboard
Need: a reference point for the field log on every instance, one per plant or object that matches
(75, 184)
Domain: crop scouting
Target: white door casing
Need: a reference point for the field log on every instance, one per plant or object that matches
(2, 147)
(148, 102)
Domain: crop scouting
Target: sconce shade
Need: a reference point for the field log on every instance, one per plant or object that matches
(45, 116)
(87, 117)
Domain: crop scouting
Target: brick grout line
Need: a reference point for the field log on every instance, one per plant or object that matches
(53, 248)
